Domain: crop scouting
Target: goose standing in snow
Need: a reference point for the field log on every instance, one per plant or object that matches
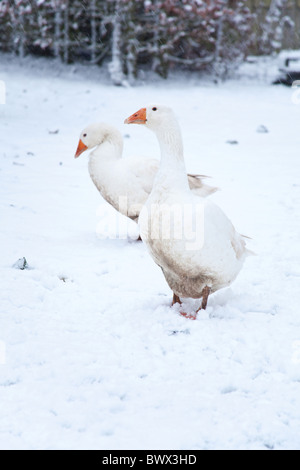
(190, 238)
(125, 183)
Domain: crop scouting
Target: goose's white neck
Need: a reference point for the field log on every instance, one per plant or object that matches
(108, 151)
(172, 167)
(109, 145)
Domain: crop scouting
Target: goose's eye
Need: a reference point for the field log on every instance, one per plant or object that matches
(84, 135)
(154, 109)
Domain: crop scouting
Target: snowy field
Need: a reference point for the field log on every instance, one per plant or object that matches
(92, 356)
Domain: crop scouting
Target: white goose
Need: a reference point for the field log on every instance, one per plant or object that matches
(190, 238)
(125, 183)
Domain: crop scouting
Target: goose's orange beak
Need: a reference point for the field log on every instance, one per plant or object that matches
(80, 149)
(137, 118)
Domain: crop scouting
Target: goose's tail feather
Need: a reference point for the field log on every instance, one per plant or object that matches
(199, 187)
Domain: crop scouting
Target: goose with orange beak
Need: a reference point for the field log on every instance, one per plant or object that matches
(125, 183)
(189, 237)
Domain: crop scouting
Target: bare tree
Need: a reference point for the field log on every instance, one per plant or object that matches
(116, 65)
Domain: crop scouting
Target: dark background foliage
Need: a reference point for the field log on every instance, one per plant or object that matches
(213, 35)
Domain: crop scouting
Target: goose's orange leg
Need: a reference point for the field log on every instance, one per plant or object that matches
(176, 300)
(205, 295)
(190, 316)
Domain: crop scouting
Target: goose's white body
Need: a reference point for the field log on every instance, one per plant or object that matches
(210, 258)
(200, 247)
(124, 182)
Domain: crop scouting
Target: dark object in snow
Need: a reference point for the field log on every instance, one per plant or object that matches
(21, 264)
(177, 332)
(290, 71)
(262, 129)
(232, 142)
(65, 279)
(54, 132)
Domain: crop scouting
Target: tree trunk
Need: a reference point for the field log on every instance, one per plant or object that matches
(218, 67)
(116, 66)
(21, 45)
(66, 32)
(57, 33)
(93, 31)
(131, 62)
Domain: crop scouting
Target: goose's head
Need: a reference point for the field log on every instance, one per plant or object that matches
(153, 117)
(97, 134)
(89, 138)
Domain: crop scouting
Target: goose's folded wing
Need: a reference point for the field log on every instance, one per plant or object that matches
(144, 170)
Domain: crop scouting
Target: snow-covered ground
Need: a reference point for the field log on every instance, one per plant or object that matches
(91, 353)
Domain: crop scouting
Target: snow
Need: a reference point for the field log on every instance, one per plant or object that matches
(92, 356)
